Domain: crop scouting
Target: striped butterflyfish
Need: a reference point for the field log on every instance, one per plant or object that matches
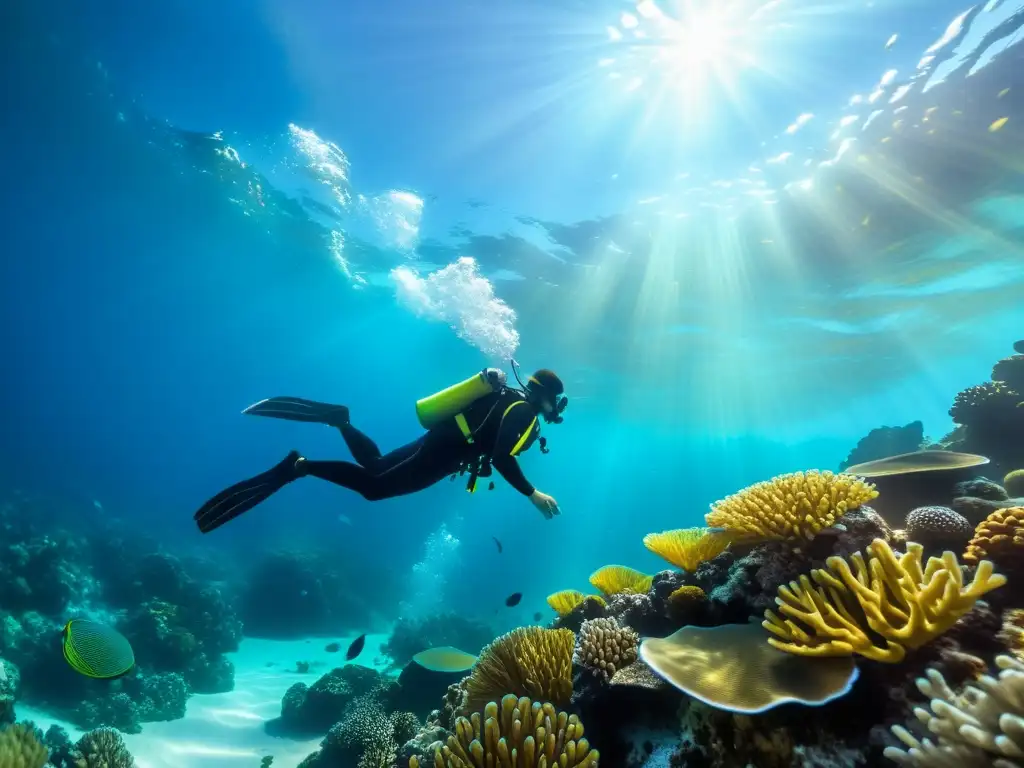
(96, 650)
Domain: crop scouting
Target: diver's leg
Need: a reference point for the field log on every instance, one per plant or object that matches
(243, 496)
(422, 466)
(362, 448)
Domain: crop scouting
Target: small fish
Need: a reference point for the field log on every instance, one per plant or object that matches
(445, 659)
(536, 616)
(498, 543)
(345, 519)
(513, 600)
(332, 647)
(356, 648)
(96, 650)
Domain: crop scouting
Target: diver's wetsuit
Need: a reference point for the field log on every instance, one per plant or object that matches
(503, 425)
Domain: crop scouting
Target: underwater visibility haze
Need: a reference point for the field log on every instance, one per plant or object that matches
(733, 294)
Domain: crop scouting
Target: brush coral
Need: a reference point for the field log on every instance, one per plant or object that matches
(522, 733)
(687, 548)
(529, 661)
(879, 608)
(794, 506)
(568, 600)
(617, 579)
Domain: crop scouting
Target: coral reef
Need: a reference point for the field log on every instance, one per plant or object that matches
(904, 606)
(980, 726)
(1013, 484)
(687, 548)
(789, 507)
(21, 748)
(312, 709)
(102, 748)
(939, 527)
(619, 579)
(1000, 538)
(568, 600)
(538, 733)
(529, 661)
(604, 646)
(885, 441)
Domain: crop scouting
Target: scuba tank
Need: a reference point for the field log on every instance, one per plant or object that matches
(452, 401)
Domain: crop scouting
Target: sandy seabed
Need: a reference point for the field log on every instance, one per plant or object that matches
(225, 730)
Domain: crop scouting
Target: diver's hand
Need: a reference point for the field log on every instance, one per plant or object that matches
(545, 504)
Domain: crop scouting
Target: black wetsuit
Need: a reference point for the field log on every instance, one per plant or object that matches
(503, 425)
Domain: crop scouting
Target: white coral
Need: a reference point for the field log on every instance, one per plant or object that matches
(981, 727)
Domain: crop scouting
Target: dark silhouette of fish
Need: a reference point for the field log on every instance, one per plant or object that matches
(1018, 347)
(513, 600)
(332, 647)
(498, 543)
(536, 616)
(356, 648)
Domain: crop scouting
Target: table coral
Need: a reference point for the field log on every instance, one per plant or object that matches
(794, 506)
(903, 607)
(529, 661)
(686, 548)
(522, 733)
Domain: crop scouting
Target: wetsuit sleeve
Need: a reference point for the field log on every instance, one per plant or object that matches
(515, 434)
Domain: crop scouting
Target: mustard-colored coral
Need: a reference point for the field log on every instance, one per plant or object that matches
(687, 548)
(902, 606)
(568, 600)
(793, 506)
(529, 661)
(1013, 483)
(999, 537)
(686, 595)
(616, 579)
(523, 734)
(1012, 633)
(19, 748)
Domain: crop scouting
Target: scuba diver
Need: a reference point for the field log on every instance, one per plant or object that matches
(470, 427)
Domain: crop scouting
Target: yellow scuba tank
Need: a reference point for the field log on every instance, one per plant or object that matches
(449, 402)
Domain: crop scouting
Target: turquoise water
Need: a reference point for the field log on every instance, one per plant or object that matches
(743, 234)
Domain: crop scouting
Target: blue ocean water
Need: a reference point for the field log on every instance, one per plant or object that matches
(741, 250)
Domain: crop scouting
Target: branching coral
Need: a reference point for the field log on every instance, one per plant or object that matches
(687, 548)
(568, 600)
(103, 748)
(999, 537)
(984, 403)
(19, 748)
(529, 661)
(979, 727)
(880, 608)
(523, 734)
(616, 579)
(1010, 371)
(604, 646)
(793, 506)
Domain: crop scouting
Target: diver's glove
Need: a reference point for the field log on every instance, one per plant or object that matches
(495, 377)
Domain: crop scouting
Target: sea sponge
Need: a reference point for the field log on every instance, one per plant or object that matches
(1013, 483)
(903, 607)
(999, 537)
(529, 661)
(687, 548)
(1010, 371)
(616, 579)
(103, 748)
(980, 726)
(604, 646)
(731, 667)
(938, 526)
(19, 748)
(792, 506)
(686, 595)
(524, 734)
(568, 600)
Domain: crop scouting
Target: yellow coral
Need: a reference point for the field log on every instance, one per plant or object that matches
(686, 594)
(568, 600)
(616, 579)
(524, 734)
(19, 748)
(687, 548)
(1013, 483)
(792, 506)
(1012, 633)
(529, 661)
(903, 606)
(1000, 536)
